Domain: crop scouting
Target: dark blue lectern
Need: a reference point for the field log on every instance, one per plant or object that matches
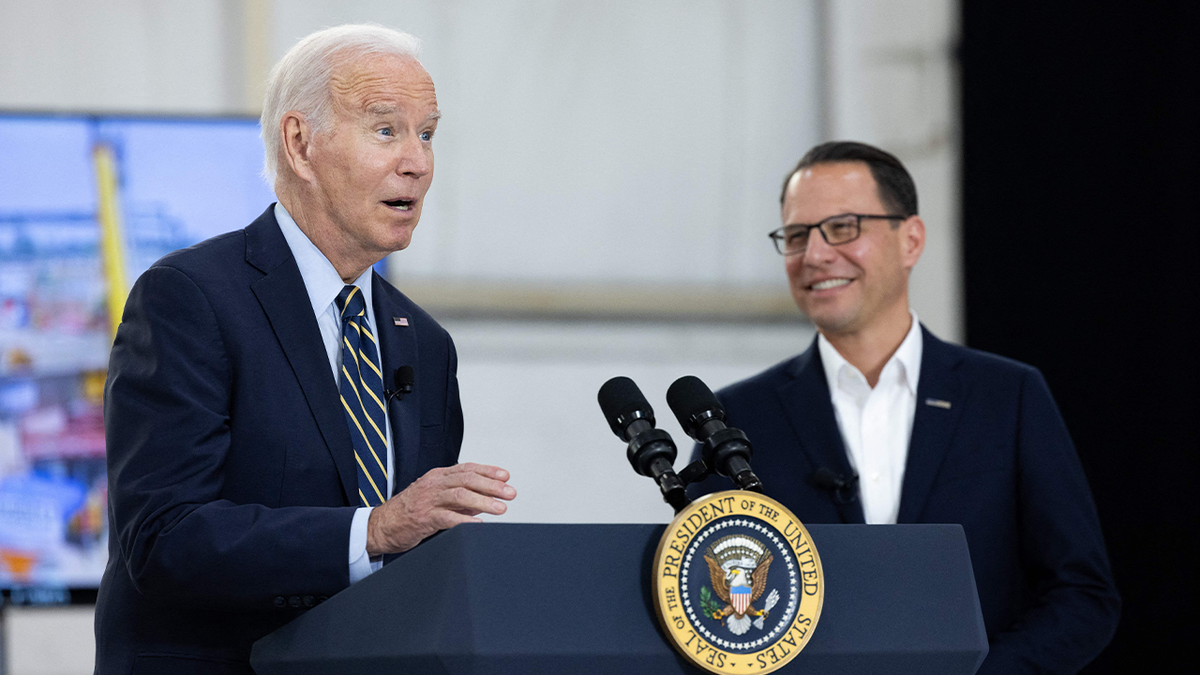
(528, 599)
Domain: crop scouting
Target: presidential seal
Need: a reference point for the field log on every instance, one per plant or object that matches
(738, 585)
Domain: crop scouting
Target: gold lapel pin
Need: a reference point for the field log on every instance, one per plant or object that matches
(938, 403)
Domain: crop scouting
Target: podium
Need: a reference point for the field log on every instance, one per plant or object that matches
(526, 599)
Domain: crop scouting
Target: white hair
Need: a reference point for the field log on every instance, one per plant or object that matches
(300, 81)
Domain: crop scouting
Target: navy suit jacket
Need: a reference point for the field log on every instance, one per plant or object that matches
(998, 461)
(232, 482)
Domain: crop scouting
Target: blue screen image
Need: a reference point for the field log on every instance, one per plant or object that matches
(178, 181)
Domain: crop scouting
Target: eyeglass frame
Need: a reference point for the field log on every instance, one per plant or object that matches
(777, 235)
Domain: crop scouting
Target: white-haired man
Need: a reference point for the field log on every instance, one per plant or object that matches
(257, 463)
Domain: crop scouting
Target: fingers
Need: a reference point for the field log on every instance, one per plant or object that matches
(477, 478)
(465, 500)
(487, 486)
(444, 520)
(473, 491)
(472, 471)
(438, 500)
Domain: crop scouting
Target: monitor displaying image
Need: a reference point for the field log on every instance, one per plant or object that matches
(86, 204)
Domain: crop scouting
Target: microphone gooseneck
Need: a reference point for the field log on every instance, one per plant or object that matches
(651, 452)
(724, 449)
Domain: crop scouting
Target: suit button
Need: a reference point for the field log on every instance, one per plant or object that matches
(280, 602)
(309, 601)
(294, 601)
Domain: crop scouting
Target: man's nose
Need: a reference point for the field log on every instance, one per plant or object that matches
(817, 250)
(416, 157)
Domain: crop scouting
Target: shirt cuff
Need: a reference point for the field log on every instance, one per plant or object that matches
(360, 563)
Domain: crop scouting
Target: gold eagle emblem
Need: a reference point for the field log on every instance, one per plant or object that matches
(735, 563)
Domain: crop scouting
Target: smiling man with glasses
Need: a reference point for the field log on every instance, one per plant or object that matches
(880, 422)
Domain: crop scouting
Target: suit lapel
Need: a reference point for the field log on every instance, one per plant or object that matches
(809, 410)
(398, 347)
(283, 299)
(934, 424)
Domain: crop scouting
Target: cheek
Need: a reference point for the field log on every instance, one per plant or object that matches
(858, 253)
(793, 265)
(338, 173)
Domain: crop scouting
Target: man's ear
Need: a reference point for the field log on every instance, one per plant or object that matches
(912, 240)
(297, 144)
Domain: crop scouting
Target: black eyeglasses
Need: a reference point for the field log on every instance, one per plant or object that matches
(837, 230)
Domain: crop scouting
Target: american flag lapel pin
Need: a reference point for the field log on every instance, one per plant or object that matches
(400, 320)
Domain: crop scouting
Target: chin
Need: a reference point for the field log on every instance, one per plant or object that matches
(830, 322)
(397, 238)
(393, 246)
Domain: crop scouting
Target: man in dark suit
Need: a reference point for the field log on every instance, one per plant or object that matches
(257, 464)
(879, 421)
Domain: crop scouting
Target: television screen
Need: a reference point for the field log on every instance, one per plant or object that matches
(86, 204)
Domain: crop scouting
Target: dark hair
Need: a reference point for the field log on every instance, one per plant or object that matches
(896, 188)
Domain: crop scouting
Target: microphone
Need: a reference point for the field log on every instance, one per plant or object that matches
(725, 450)
(404, 378)
(844, 489)
(651, 451)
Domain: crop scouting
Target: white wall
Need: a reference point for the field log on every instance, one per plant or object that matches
(592, 142)
(892, 81)
(117, 55)
(530, 391)
(48, 640)
(596, 144)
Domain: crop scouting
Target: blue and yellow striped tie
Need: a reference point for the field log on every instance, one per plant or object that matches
(362, 397)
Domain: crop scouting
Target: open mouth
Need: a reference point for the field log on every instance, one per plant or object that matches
(828, 283)
(401, 204)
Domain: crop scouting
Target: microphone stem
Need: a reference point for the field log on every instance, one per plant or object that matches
(669, 482)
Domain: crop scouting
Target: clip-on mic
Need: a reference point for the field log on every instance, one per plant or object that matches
(844, 490)
(404, 378)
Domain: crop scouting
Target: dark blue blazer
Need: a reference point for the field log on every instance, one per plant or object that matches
(998, 461)
(231, 477)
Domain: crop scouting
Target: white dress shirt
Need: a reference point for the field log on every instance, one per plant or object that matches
(876, 423)
(323, 284)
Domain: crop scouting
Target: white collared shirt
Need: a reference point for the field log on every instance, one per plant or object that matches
(323, 284)
(876, 423)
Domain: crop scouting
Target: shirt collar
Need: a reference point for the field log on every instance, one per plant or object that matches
(833, 362)
(321, 279)
(907, 357)
(909, 354)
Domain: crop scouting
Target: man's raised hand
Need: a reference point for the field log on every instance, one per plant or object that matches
(439, 500)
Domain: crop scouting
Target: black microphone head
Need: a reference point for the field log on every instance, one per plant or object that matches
(693, 404)
(622, 403)
(404, 377)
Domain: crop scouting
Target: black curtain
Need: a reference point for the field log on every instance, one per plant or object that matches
(1081, 214)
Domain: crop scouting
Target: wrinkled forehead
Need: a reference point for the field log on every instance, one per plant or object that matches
(378, 83)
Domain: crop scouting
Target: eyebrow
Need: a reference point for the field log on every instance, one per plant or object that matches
(382, 109)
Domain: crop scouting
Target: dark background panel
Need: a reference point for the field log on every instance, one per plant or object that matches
(1081, 137)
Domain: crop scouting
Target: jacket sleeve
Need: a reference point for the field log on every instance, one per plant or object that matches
(1072, 606)
(167, 429)
(453, 406)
